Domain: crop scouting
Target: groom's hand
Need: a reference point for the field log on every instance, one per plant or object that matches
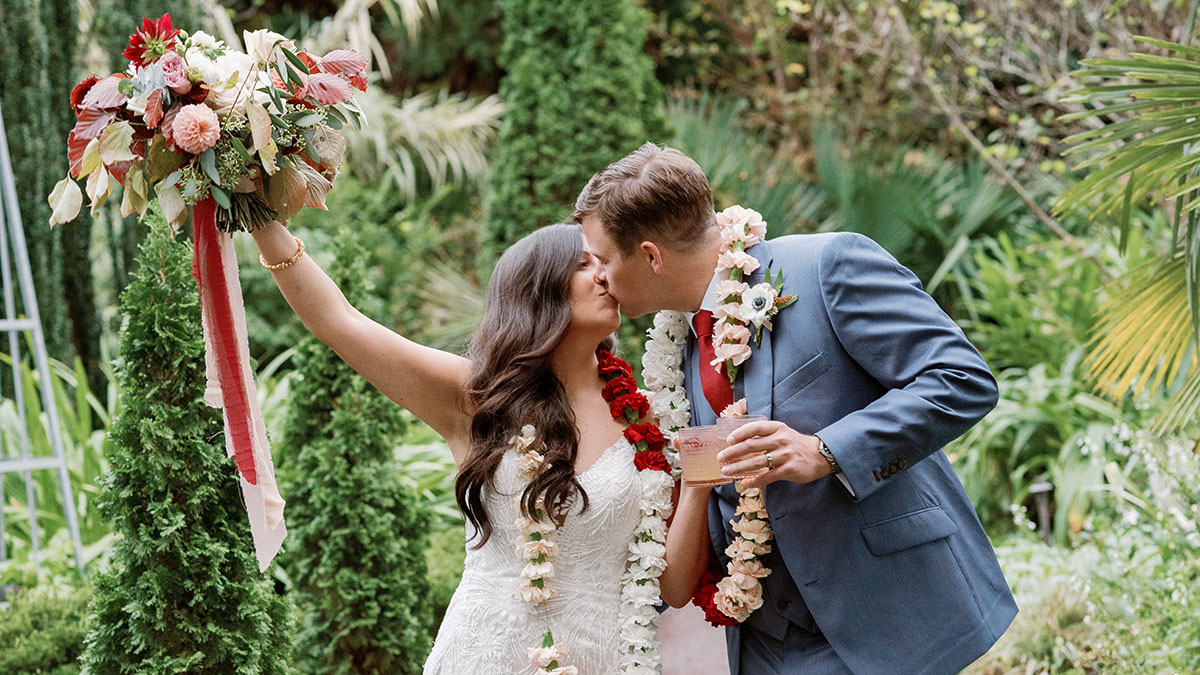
(794, 456)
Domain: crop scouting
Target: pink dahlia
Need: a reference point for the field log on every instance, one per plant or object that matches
(195, 128)
(151, 41)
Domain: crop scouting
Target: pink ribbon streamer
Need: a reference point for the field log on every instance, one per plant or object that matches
(230, 380)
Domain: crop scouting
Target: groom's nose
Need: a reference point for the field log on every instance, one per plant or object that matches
(599, 277)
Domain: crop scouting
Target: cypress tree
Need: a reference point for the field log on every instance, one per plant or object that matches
(182, 591)
(38, 153)
(356, 553)
(61, 20)
(579, 94)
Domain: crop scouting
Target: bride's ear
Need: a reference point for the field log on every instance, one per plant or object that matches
(654, 255)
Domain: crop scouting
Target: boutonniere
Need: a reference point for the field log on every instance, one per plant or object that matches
(742, 306)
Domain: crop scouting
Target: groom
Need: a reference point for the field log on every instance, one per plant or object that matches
(879, 564)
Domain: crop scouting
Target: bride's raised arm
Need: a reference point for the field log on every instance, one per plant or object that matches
(428, 382)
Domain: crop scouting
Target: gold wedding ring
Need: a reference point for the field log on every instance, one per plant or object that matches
(770, 464)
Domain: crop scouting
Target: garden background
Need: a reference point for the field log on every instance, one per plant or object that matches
(1034, 162)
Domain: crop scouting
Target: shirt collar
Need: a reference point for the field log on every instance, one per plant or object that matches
(709, 302)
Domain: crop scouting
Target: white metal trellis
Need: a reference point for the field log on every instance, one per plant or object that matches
(14, 325)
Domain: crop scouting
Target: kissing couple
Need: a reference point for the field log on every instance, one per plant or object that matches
(852, 549)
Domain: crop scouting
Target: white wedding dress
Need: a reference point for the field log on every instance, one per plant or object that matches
(488, 628)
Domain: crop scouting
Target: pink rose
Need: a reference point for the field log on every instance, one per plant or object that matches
(196, 128)
(175, 73)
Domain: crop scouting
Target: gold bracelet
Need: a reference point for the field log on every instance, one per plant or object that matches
(286, 263)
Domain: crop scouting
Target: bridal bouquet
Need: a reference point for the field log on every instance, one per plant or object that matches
(241, 137)
(193, 119)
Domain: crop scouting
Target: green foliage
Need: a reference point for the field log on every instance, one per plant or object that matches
(84, 421)
(445, 557)
(42, 632)
(356, 553)
(1029, 311)
(37, 152)
(1123, 601)
(741, 167)
(182, 592)
(1143, 148)
(923, 209)
(579, 94)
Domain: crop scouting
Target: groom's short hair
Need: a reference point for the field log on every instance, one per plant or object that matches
(654, 192)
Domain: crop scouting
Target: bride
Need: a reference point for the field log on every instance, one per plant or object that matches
(556, 474)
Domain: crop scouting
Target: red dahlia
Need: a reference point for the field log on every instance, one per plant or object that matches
(153, 40)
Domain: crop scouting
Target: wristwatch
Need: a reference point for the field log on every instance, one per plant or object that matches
(833, 463)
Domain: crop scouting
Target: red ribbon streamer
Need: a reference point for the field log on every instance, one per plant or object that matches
(214, 300)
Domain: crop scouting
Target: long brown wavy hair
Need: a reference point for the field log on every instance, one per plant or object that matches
(512, 383)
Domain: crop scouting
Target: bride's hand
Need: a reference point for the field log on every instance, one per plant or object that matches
(792, 455)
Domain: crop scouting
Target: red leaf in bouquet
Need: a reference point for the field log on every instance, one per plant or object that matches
(154, 109)
(76, 145)
(287, 191)
(151, 41)
(91, 122)
(343, 62)
(329, 89)
(80, 91)
(301, 91)
(104, 94)
(308, 60)
(316, 186)
(166, 127)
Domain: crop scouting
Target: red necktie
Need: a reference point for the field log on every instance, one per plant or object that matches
(715, 383)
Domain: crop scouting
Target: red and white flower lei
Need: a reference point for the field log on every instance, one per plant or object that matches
(646, 562)
(729, 600)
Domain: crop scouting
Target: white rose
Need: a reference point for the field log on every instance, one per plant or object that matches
(203, 41)
(263, 44)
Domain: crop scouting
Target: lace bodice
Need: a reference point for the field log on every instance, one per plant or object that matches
(488, 628)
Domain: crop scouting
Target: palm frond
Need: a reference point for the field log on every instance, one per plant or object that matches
(1143, 341)
(351, 26)
(740, 168)
(453, 305)
(442, 136)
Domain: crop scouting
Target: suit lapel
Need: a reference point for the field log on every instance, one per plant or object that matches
(758, 372)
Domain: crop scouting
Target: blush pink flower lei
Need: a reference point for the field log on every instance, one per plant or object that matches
(740, 305)
(729, 600)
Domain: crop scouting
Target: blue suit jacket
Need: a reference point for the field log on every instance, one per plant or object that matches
(900, 577)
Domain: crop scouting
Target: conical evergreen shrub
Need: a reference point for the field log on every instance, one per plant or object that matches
(357, 537)
(579, 94)
(182, 592)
